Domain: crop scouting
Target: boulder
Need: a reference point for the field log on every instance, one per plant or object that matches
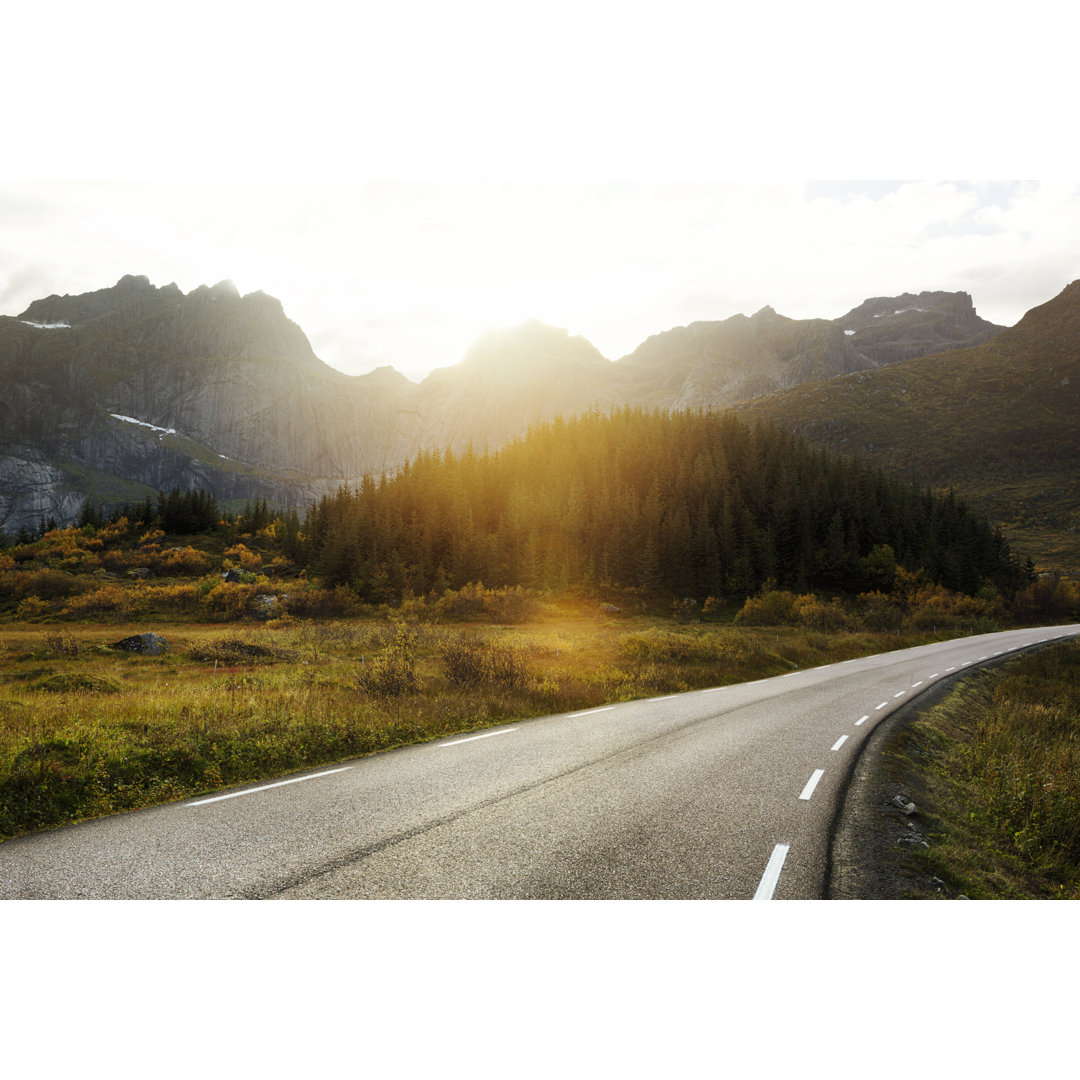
(145, 644)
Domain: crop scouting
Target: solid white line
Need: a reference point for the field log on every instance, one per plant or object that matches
(861, 721)
(266, 787)
(473, 738)
(882, 705)
(589, 712)
(772, 872)
(839, 742)
(812, 783)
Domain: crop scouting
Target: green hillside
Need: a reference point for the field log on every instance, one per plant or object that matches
(1000, 423)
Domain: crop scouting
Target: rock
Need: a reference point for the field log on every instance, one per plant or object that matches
(232, 575)
(610, 609)
(146, 644)
(265, 606)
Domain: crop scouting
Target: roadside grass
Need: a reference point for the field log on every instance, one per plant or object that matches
(87, 730)
(999, 761)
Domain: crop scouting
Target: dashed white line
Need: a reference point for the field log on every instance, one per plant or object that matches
(948, 669)
(771, 876)
(881, 706)
(839, 742)
(935, 675)
(589, 712)
(915, 685)
(473, 738)
(663, 697)
(267, 787)
(812, 783)
(901, 694)
(861, 721)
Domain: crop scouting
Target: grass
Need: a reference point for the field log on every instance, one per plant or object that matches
(999, 764)
(86, 730)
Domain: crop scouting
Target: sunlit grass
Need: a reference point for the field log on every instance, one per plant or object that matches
(86, 730)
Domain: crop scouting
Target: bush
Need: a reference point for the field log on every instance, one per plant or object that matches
(393, 672)
(468, 662)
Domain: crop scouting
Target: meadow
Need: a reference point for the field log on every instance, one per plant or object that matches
(87, 729)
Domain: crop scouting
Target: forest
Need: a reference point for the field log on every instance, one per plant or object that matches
(691, 504)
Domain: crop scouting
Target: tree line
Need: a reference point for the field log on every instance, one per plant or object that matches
(692, 504)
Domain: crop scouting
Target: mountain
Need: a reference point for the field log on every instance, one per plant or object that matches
(128, 390)
(1000, 422)
(887, 329)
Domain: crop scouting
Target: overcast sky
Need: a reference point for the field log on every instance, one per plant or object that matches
(403, 176)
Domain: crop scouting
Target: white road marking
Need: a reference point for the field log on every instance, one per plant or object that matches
(935, 675)
(916, 684)
(982, 658)
(901, 694)
(713, 689)
(948, 669)
(589, 712)
(266, 787)
(861, 721)
(812, 783)
(771, 876)
(882, 705)
(839, 742)
(665, 697)
(473, 738)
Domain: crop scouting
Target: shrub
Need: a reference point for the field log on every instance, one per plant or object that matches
(62, 643)
(393, 672)
(468, 662)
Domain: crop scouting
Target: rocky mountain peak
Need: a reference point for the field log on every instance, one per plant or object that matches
(132, 295)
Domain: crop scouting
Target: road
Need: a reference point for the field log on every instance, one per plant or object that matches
(726, 793)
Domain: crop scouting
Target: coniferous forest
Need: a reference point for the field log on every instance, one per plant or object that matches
(692, 504)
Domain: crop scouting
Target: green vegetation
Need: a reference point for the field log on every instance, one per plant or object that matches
(690, 504)
(997, 422)
(600, 560)
(86, 729)
(1000, 758)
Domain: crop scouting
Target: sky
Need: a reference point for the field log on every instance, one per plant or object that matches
(409, 273)
(404, 179)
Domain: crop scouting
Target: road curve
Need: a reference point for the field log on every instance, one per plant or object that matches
(727, 793)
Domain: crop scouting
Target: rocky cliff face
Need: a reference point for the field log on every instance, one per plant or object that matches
(888, 329)
(135, 389)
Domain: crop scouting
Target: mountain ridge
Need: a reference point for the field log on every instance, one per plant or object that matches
(244, 407)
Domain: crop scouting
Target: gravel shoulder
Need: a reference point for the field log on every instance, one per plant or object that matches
(872, 836)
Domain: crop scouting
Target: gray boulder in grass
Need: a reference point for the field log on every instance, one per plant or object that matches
(146, 644)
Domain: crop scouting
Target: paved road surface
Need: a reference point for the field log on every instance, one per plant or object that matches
(726, 793)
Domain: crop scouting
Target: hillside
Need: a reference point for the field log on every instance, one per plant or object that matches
(999, 422)
(120, 393)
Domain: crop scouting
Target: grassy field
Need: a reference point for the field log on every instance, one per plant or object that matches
(88, 730)
(999, 766)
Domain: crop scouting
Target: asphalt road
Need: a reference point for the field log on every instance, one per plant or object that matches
(728, 793)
